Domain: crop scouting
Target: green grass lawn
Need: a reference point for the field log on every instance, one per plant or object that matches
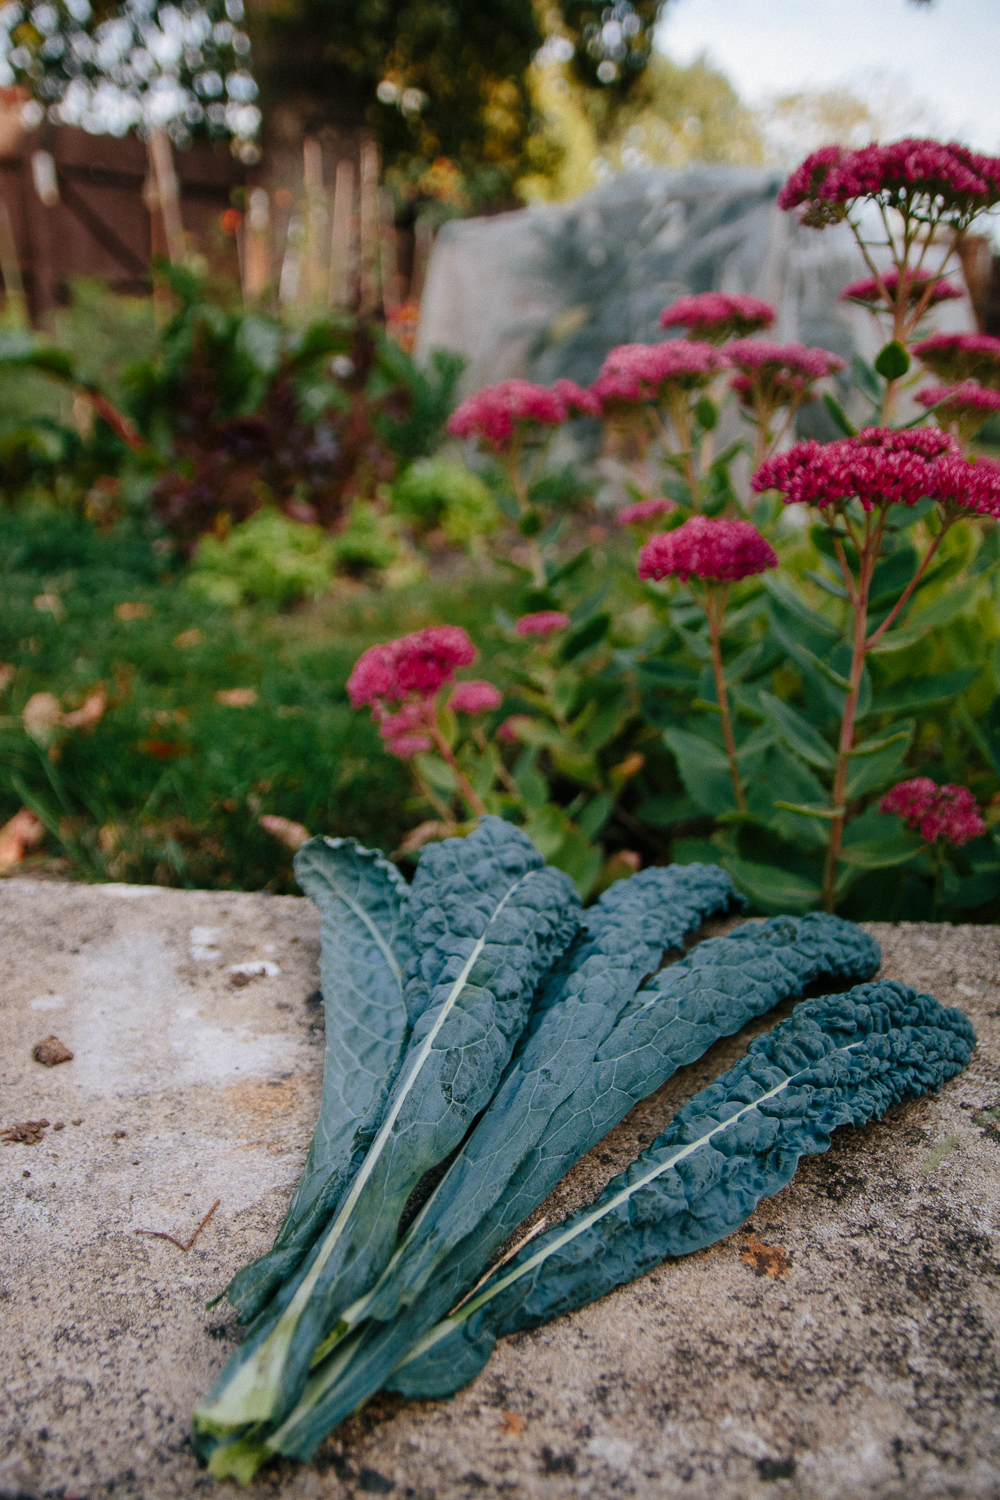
(170, 784)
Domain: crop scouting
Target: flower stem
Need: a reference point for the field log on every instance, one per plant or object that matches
(472, 797)
(858, 589)
(714, 605)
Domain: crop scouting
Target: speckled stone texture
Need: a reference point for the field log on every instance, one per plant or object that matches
(841, 1347)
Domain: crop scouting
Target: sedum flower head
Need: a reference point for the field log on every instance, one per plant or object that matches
(711, 549)
(717, 316)
(773, 374)
(494, 413)
(962, 356)
(543, 622)
(576, 399)
(868, 291)
(651, 372)
(645, 510)
(475, 697)
(963, 409)
(928, 178)
(936, 812)
(415, 665)
(882, 467)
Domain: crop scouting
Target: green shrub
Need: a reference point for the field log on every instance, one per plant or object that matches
(436, 492)
(265, 560)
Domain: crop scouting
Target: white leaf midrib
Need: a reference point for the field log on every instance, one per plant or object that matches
(259, 1377)
(435, 1335)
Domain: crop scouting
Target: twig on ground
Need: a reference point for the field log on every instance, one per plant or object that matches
(161, 1234)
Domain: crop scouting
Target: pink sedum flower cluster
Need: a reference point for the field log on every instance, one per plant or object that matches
(936, 812)
(867, 291)
(420, 664)
(644, 511)
(494, 414)
(717, 316)
(962, 356)
(543, 622)
(773, 374)
(882, 467)
(709, 549)
(648, 372)
(967, 398)
(576, 399)
(475, 697)
(408, 672)
(924, 174)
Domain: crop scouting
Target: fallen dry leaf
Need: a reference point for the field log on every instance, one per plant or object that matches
(422, 834)
(188, 638)
(133, 611)
(292, 835)
(51, 1052)
(767, 1260)
(41, 717)
(512, 1422)
(237, 697)
(19, 834)
(28, 1133)
(90, 712)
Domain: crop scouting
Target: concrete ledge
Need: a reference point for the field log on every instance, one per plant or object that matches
(844, 1346)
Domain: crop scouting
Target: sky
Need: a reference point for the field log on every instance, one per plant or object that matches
(946, 55)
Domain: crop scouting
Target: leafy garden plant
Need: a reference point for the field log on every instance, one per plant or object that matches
(777, 672)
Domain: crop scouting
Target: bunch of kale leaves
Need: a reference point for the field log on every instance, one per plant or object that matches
(479, 1021)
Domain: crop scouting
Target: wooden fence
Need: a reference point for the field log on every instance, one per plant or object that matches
(73, 204)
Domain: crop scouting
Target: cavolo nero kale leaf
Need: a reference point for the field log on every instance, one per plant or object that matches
(487, 919)
(839, 1061)
(497, 1180)
(365, 947)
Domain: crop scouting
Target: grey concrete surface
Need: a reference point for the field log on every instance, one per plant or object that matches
(842, 1347)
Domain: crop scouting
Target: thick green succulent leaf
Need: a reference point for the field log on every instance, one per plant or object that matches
(840, 1061)
(488, 919)
(711, 992)
(365, 945)
(797, 732)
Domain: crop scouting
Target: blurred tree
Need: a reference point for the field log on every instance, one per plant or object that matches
(672, 116)
(440, 83)
(877, 106)
(113, 67)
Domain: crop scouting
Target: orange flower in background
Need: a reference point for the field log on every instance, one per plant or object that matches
(231, 221)
(401, 324)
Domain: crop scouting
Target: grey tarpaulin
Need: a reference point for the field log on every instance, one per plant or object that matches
(546, 291)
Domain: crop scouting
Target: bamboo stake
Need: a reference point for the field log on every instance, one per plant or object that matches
(388, 259)
(257, 274)
(369, 268)
(317, 220)
(16, 307)
(342, 248)
(168, 194)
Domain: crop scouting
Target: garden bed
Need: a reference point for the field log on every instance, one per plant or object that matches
(840, 1346)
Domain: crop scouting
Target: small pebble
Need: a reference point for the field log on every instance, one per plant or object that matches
(76, 1122)
(25, 1174)
(59, 1125)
